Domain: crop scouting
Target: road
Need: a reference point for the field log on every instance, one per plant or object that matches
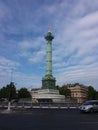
(48, 119)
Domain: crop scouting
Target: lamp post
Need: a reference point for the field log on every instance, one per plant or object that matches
(10, 91)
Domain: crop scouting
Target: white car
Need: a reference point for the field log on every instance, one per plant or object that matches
(89, 106)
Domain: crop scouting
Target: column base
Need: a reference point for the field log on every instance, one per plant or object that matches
(48, 82)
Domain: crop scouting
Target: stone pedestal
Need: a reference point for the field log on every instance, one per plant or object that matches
(47, 94)
(48, 82)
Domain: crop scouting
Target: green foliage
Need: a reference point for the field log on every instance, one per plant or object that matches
(57, 87)
(96, 96)
(64, 91)
(8, 92)
(24, 93)
(91, 93)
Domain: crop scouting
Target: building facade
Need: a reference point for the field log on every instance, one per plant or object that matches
(79, 92)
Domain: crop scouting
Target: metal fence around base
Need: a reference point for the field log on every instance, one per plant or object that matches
(40, 105)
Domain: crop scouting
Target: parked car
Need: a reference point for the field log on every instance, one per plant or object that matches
(89, 106)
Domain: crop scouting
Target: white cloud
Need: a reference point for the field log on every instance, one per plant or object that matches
(26, 45)
(88, 21)
(8, 63)
(86, 74)
(33, 50)
(27, 80)
(6, 66)
(3, 11)
(37, 57)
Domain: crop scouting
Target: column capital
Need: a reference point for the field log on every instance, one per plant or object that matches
(49, 36)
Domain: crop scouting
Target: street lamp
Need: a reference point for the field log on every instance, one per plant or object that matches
(10, 91)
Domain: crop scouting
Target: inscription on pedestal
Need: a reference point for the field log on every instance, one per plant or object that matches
(48, 84)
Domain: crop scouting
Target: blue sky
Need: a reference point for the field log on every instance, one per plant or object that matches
(23, 25)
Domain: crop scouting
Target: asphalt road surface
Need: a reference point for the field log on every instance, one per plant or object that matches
(48, 119)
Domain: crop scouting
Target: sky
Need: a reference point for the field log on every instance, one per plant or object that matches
(23, 26)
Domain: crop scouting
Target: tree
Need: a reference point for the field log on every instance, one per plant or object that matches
(96, 95)
(64, 91)
(24, 93)
(57, 87)
(8, 92)
(91, 93)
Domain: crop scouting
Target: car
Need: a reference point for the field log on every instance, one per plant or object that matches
(89, 106)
